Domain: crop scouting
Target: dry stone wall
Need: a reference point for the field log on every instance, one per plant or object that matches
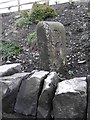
(41, 94)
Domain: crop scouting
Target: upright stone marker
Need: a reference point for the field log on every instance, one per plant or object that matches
(51, 45)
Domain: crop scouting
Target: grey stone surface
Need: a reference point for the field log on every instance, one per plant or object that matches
(28, 95)
(51, 45)
(88, 97)
(9, 69)
(9, 83)
(15, 116)
(46, 97)
(70, 99)
(10, 88)
(5, 89)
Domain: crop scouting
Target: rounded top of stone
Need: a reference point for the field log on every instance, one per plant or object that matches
(52, 24)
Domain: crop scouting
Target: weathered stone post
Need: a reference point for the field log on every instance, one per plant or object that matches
(51, 45)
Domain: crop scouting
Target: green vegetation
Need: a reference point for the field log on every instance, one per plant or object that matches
(38, 13)
(88, 9)
(24, 13)
(23, 21)
(9, 48)
(70, 72)
(31, 37)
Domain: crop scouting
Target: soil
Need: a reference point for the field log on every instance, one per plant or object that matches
(75, 18)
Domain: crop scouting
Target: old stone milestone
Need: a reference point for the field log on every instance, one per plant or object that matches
(51, 45)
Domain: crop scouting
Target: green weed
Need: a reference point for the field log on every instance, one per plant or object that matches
(31, 37)
(9, 48)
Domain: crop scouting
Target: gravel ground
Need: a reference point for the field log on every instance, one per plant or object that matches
(76, 21)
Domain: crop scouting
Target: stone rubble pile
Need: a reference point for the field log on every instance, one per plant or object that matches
(41, 94)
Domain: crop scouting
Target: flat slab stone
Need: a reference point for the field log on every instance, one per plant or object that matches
(29, 92)
(9, 69)
(88, 97)
(10, 88)
(70, 99)
(46, 97)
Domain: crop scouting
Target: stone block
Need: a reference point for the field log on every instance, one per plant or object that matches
(10, 88)
(70, 99)
(29, 92)
(47, 95)
(15, 116)
(51, 45)
(9, 69)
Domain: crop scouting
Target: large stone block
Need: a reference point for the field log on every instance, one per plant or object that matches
(46, 97)
(88, 97)
(70, 99)
(9, 69)
(10, 88)
(29, 92)
(51, 45)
